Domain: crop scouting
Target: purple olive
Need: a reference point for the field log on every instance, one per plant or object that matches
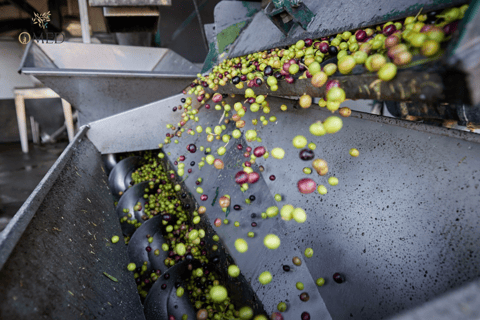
(306, 154)
(338, 278)
(268, 71)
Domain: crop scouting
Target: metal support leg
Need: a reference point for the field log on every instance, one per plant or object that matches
(83, 8)
(67, 111)
(35, 133)
(22, 121)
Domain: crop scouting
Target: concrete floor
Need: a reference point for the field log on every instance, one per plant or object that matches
(20, 173)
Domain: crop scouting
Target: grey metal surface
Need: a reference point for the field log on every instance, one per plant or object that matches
(228, 13)
(100, 96)
(62, 247)
(130, 125)
(136, 3)
(14, 230)
(118, 79)
(102, 57)
(331, 17)
(402, 226)
(463, 303)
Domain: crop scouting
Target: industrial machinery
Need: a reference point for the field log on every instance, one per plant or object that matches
(396, 236)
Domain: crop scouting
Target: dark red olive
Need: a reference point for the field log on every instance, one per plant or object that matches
(272, 177)
(191, 148)
(241, 177)
(203, 197)
(323, 47)
(243, 77)
(306, 154)
(338, 278)
(450, 28)
(246, 154)
(148, 249)
(251, 100)
(166, 276)
(305, 316)
(174, 109)
(308, 42)
(289, 79)
(253, 177)
(164, 286)
(239, 147)
(167, 217)
(254, 224)
(249, 149)
(304, 297)
(207, 106)
(361, 35)
(181, 158)
(389, 30)
(237, 207)
(248, 164)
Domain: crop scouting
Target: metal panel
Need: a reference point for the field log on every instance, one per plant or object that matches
(69, 55)
(462, 304)
(114, 3)
(56, 270)
(331, 17)
(118, 79)
(141, 129)
(403, 225)
(100, 96)
(406, 86)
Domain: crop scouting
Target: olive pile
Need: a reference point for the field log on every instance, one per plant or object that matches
(183, 242)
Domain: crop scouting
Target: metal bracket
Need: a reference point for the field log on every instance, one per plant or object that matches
(286, 13)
